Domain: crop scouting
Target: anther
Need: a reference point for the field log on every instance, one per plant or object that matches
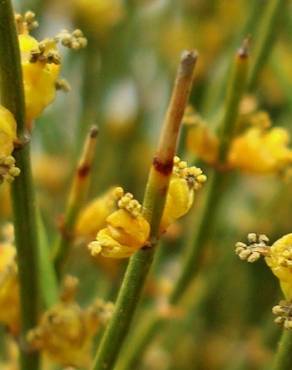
(256, 247)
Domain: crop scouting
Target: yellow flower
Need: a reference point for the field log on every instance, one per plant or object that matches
(66, 331)
(278, 257)
(126, 229)
(258, 148)
(261, 151)
(40, 63)
(178, 202)
(123, 235)
(7, 132)
(7, 138)
(9, 289)
(93, 217)
(183, 183)
(279, 260)
(99, 16)
(39, 78)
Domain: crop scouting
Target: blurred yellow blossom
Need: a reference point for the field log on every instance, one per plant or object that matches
(66, 331)
(202, 141)
(260, 119)
(98, 16)
(256, 147)
(248, 105)
(9, 289)
(12, 353)
(261, 151)
(50, 171)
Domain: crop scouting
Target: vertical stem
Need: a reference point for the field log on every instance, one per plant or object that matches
(234, 95)
(24, 210)
(149, 326)
(283, 358)
(191, 263)
(267, 32)
(76, 199)
(225, 132)
(153, 205)
(204, 229)
(90, 69)
(48, 279)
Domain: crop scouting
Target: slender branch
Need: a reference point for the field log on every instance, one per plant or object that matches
(76, 199)
(149, 327)
(283, 360)
(236, 88)
(132, 355)
(203, 231)
(24, 210)
(153, 205)
(214, 188)
(267, 32)
(90, 70)
(48, 279)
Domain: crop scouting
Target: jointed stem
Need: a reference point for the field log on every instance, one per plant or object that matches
(153, 205)
(76, 199)
(207, 217)
(24, 210)
(226, 131)
(213, 197)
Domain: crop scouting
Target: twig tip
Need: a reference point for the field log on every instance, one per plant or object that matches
(244, 50)
(188, 61)
(93, 131)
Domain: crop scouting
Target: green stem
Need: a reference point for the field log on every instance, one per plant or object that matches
(214, 94)
(225, 132)
(78, 193)
(191, 263)
(283, 358)
(206, 222)
(150, 325)
(48, 278)
(153, 205)
(91, 66)
(234, 95)
(267, 32)
(128, 298)
(24, 209)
